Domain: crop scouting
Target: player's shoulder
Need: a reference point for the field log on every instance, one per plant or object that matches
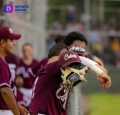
(44, 61)
(52, 66)
(21, 63)
(52, 63)
(46, 67)
(41, 71)
(35, 61)
(3, 63)
(12, 58)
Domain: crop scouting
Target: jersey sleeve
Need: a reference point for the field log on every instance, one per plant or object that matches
(53, 69)
(33, 71)
(38, 66)
(4, 76)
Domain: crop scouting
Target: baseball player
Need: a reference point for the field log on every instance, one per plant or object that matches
(23, 71)
(50, 94)
(8, 105)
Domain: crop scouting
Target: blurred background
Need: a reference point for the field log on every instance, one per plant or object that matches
(98, 20)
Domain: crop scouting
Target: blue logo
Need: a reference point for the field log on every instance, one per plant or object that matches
(8, 8)
(21, 8)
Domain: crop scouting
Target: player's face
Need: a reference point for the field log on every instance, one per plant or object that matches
(79, 43)
(19, 81)
(8, 45)
(27, 51)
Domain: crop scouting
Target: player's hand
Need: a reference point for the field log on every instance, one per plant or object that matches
(22, 110)
(105, 80)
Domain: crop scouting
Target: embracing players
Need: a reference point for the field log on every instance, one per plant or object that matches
(49, 94)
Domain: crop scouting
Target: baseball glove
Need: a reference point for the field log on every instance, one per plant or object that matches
(73, 74)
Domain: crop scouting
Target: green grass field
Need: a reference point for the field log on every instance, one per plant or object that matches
(105, 104)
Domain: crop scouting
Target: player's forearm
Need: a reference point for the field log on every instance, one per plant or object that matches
(91, 64)
(9, 99)
(102, 68)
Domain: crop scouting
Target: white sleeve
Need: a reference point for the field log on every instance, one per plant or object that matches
(91, 64)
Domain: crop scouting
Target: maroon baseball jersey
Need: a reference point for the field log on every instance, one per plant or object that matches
(12, 59)
(24, 70)
(5, 80)
(21, 99)
(49, 97)
(13, 62)
(36, 69)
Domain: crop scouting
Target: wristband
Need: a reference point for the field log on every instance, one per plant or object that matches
(91, 64)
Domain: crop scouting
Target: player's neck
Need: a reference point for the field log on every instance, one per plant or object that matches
(53, 59)
(27, 61)
(2, 54)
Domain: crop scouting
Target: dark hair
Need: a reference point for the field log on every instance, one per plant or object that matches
(27, 44)
(59, 39)
(55, 50)
(71, 37)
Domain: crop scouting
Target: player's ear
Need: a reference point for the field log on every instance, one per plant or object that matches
(3, 42)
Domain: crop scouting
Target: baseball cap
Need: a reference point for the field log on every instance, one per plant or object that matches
(68, 57)
(7, 33)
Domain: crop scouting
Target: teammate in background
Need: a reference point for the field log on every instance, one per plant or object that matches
(24, 71)
(8, 105)
(75, 38)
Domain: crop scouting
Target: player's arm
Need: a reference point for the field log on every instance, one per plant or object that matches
(101, 74)
(6, 91)
(35, 69)
(91, 64)
(53, 68)
(9, 99)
